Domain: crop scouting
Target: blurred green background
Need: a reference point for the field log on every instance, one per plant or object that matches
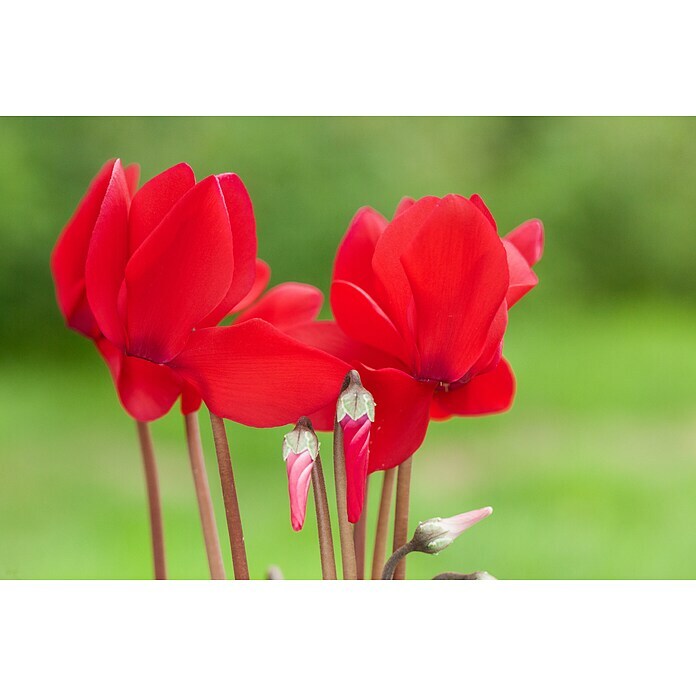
(592, 474)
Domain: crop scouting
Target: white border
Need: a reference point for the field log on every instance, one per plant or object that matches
(347, 638)
(357, 58)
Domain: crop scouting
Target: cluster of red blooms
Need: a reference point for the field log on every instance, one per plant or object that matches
(420, 305)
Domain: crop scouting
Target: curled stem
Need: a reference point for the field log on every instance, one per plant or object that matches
(229, 494)
(153, 499)
(403, 490)
(205, 503)
(396, 558)
(383, 524)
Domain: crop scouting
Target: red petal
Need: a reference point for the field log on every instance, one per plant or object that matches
(478, 202)
(363, 320)
(190, 398)
(522, 277)
(254, 374)
(493, 348)
(491, 392)
(179, 273)
(286, 306)
(70, 254)
(147, 391)
(458, 273)
(393, 292)
(263, 275)
(155, 199)
(401, 415)
(354, 256)
(132, 172)
(243, 226)
(404, 204)
(529, 240)
(356, 444)
(107, 256)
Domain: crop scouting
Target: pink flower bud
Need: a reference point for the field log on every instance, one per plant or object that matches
(436, 534)
(300, 450)
(355, 413)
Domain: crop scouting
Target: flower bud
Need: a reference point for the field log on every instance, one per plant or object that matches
(300, 450)
(436, 534)
(355, 412)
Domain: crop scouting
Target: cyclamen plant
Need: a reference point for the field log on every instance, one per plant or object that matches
(420, 305)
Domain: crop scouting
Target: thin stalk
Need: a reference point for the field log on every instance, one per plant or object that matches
(153, 499)
(403, 490)
(360, 537)
(205, 503)
(344, 527)
(383, 524)
(396, 559)
(321, 505)
(229, 494)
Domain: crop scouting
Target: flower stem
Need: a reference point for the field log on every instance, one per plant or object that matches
(321, 505)
(383, 524)
(395, 559)
(344, 527)
(403, 489)
(229, 494)
(360, 537)
(153, 499)
(205, 503)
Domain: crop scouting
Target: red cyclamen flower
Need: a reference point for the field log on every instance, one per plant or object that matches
(149, 274)
(421, 306)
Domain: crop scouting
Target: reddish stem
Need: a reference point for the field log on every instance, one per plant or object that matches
(229, 494)
(403, 489)
(153, 499)
(360, 537)
(205, 503)
(321, 505)
(380, 549)
(344, 526)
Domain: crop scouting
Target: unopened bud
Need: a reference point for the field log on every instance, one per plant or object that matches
(300, 450)
(355, 413)
(436, 534)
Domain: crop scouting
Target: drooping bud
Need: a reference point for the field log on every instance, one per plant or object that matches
(436, 534)
(300, 450)
(355, 412)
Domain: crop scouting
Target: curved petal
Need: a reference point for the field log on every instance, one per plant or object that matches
(155, 199)
(457, 269)
(354, 256)
(522, 277)
(263, 275)
(179, 274)
(147, 391)
(243, 227)
(285, 306)
(493, 348)
(107, 257)
(132, 172)
(529, 240)
(478, 202)
(404, 204)
(393, 292)
(70, 255)
(401, 415)
(254, 374)
(363, 320)
(491, 392)
(356, 443)
(190, 398)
